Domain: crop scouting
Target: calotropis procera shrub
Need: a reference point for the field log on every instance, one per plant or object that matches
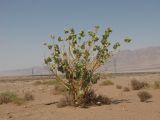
(77, 56)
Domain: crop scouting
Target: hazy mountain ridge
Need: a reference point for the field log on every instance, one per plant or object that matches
(145, 59)
(140, 60)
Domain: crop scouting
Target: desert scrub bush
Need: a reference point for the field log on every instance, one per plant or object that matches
(8, 97)
(28, 96)
(144, 96)
(157, 85)
(126, 89)
(77, 56)
(90, 98)
(136, 85)
(118, 86)
(107, 82)
(19, 101)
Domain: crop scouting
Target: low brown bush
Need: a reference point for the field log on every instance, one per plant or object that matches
(144, 96)
(90, 98)
(107, 82)
(126, 89)
(8, 97)
(136, 85)
(157, 84)
(118, 86)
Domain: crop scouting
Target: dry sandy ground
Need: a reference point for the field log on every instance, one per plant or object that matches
(126, 105)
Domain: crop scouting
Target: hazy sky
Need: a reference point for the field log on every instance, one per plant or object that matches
(26, 24)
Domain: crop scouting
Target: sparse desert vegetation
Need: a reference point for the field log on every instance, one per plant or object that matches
(144, 96)
(61, 60)
(11, 97)
(126, 89)
(7, 97)
(137, 85)
(157, 85)
(118, 86)
(50, 101)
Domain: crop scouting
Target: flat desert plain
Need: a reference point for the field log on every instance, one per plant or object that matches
(124, 106)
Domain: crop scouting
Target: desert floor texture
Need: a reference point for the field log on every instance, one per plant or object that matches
(125, 105)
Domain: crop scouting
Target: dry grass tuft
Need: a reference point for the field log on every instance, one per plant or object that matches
(144, 96)
(157, 84)
(7, 97)
(126, 89)
(136, 85)
(10, 97)
(107, 82)
(90, 98)
(118, 86)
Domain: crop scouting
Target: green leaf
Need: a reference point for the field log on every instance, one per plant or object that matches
(66, 31)
(60, 39)
(49, 47)
(83, 46)
(116, 45)
(52, 36)
(97, 27)
(81, 34)
(127, 40)
(109, 30)
(80, 93)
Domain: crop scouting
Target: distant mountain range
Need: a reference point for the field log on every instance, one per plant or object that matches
(140, 60)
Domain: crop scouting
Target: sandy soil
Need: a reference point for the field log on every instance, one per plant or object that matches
(125, 106)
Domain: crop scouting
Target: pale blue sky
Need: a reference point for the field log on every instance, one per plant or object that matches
(26, 24)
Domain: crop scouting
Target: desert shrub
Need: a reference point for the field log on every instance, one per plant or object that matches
(126, 89)
(100, 99)
(19, 101)
(118, 86)
(157, 84)
(107, 82)
(77, 56)
(144, 96)
(90, 98)
(7, 97)
(136, 85)
(28, 96)
(37, 83)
